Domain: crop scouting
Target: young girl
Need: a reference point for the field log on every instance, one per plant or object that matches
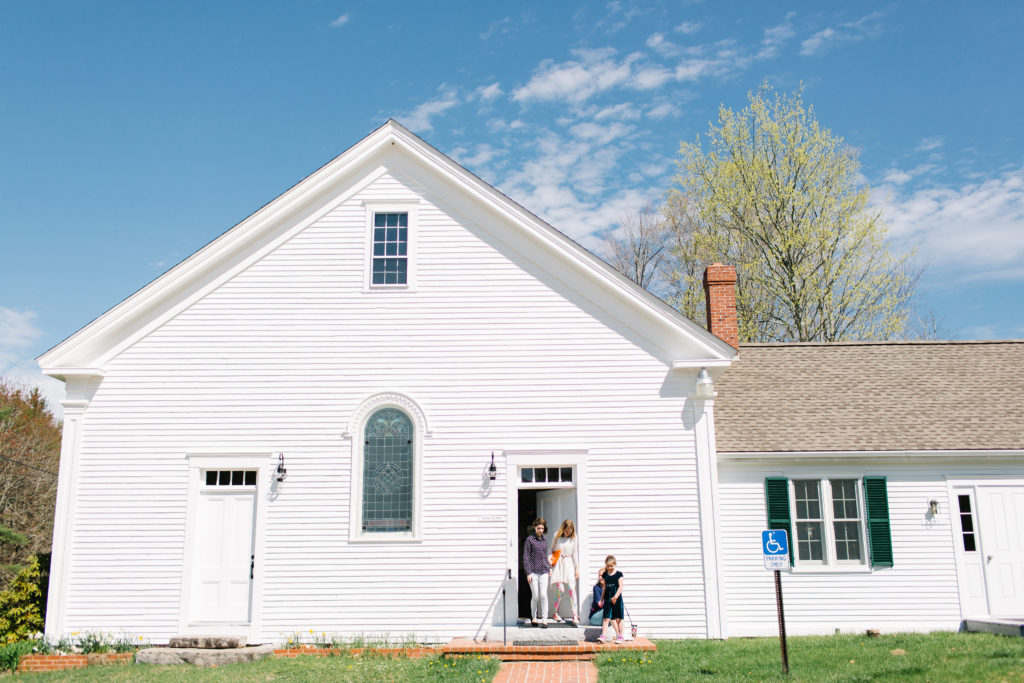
(613, 583)
(566, 571)
(537, 567)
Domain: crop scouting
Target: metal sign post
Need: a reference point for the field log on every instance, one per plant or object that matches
(775, 544)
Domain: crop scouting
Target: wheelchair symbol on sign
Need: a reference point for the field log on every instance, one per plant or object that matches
(775, 544)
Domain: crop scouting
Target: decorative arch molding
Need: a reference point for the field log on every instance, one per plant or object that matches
(384, 399)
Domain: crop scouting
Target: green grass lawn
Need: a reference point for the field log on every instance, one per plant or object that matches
(929, 657)
(320, 669)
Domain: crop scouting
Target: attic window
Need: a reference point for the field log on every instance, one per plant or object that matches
(390, 249)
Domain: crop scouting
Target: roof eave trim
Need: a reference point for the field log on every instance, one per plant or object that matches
(64, 374)
(807, 455)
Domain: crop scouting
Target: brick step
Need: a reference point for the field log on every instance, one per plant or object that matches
(578, 651)
(509, 657)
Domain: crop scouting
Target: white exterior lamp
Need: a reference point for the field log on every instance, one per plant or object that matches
(705, 387)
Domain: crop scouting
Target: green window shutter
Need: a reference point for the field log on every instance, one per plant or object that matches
(876, 498)
(776, 493)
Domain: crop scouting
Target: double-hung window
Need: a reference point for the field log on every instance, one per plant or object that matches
(828, 522)
(832, 522)
(390, 260)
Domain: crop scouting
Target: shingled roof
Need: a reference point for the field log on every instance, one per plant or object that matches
(903, 396)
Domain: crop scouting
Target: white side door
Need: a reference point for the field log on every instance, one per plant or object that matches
(1001, 511)
(555, 506)
(969, 556)
(224, 557)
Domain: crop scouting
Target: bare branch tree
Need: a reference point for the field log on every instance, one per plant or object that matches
(29, 459)
(639, 248)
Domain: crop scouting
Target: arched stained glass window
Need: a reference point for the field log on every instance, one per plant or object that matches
(387, 472)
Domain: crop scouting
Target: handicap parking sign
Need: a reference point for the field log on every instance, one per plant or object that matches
(775, 544)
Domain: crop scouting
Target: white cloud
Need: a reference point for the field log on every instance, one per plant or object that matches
(775, 37)
(694, 69)
(502, 27)
(978, 224)
(623, 110)
(660, 111)
(816, 42)
(16, 328)
(574, 182)
(340, 21)
(651, 77)
(419, 119)
(503, 126)
(928, 144)
(17, 333)
(488, 92)
(663, 47)
(849, 32)
(602, 135)
(483, 154)
(896, 176)
(689, 27)
(592, 71)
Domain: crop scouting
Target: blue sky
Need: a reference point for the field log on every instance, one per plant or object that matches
(131, 134)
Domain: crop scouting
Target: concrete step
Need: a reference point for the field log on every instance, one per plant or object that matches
(202, 656)
(208, 642)
(1003, 627)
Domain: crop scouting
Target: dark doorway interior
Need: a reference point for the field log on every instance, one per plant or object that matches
(527, 513)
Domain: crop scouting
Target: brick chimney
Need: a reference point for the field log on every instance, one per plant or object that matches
(720, 293)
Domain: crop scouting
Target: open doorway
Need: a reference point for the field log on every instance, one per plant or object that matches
(549, 493)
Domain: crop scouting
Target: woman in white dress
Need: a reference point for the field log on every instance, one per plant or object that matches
(565, 572)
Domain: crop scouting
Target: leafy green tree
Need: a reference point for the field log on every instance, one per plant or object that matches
(780, 197)
(21, 612)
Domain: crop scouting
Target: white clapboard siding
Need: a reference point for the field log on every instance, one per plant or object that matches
(499, 353)
(919, 593)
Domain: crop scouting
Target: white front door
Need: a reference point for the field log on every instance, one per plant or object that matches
(1001, 520)
(224, 557)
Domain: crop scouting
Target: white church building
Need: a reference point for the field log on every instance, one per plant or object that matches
(344, 412)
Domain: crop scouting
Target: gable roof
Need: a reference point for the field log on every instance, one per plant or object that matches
(86, 351)
(903, 396)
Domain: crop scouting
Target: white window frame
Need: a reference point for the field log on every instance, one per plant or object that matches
(829, 561)
(410, 207)
(356, 431)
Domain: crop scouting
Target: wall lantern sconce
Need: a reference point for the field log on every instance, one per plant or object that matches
(280, 473)
(492, 469)
(705, 387)
(933, 507)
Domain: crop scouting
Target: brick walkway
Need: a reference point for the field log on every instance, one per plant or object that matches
(547, 672)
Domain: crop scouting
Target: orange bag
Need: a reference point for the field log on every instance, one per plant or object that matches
(555, 554)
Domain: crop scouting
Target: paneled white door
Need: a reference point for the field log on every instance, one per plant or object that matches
(970, 558)
(1002, 543)
(224, 557)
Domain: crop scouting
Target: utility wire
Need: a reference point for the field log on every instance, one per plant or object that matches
(31, 467)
